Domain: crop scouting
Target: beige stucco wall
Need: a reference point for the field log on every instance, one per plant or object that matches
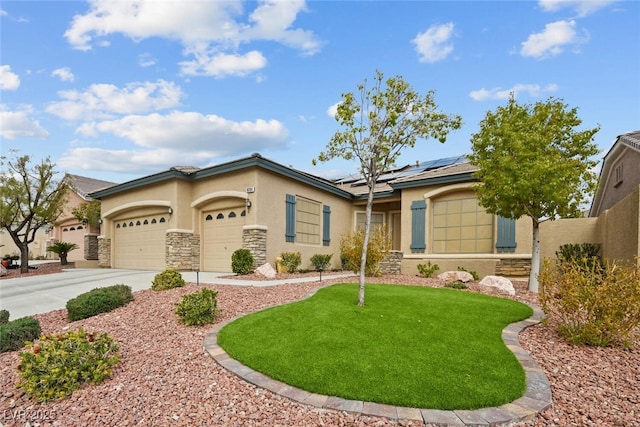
(554, 234)
(620, 229)
(269, 208)
(483, 264)
(36, 249)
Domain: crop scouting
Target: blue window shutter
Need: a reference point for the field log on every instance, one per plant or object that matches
(326, 225)
(506, 235)
(290, 218)
(418, 213)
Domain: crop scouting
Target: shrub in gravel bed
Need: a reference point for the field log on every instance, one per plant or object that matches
(14, 334)
(242, 261)
(199, 308)
(591, 303)
(291, 261)
(55, 366)
(167, 279)
(98, 300)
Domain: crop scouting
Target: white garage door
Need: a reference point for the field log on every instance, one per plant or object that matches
(74, 234)
(222, 236)
(139, 243)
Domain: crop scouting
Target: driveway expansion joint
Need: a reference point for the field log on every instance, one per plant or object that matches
(536, 399)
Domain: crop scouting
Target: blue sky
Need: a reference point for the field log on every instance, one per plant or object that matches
(120, 89)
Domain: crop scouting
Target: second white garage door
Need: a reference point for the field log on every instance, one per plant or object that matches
(221, 237)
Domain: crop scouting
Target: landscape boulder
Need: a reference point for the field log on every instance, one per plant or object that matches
(455, 276)
(267, 271)
(499, 282)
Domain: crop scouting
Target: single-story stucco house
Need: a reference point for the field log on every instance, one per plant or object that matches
(194, 219)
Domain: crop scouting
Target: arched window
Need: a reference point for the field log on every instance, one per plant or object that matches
(243, 213)
(131, 224)
(79, 227)
(138, 222)
(65, 229)
(163, 220)
(145, 222)
(117, 225)
(153, 221)
(72, 229)
(232, 214)
(124, 224)
(208, 218)
(220, 216)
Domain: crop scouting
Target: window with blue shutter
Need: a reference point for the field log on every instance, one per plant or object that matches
(506, 235)
(418, 212)
(326, 225)
(290, 218)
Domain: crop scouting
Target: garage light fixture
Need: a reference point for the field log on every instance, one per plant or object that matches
(170, 211)
(248, 203)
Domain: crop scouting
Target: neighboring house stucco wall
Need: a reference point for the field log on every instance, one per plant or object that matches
(554, 234)
(620, 229)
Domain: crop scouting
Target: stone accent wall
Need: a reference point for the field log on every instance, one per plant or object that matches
(104, 252)
(182, 251)
(391, 262)
(513, 267)
(254, 238)
(91, 247)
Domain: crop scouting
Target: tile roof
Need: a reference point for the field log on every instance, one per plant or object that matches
(84, 185)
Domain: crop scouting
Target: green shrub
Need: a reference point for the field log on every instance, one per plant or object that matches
(321, 261)
(62, 249)
(590, 303)
(242, 261)
(378, 247)
(427, 270)
(456, 285)
(56, 365)
(472, 273)
(4, 317)
(585, 254)
(291, 261)
(199, 308)
(167, 279)
(98, 300)
(14, 334)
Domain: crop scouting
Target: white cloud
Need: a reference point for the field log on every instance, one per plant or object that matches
(176, 138)
(581, 7)
(130, 161)
(333, 110)
(192, 131)
(146, 60)
(64, 74)
(533, 90)
(8, 80)
(434, 44)
(211, 31)
(105, 100)
(16, 124)
(552, 40)
(222, 65)
(3, 12)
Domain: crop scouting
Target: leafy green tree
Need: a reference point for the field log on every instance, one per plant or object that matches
(62, 249)
(30, 199)
(534, 162)
(378, 123)
(89, 212)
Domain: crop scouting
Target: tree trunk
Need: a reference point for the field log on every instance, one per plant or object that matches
(24, 258)
(535, 257)
(63, 258)
(365, 244)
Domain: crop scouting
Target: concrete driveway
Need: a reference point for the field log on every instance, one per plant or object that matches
(25, 296)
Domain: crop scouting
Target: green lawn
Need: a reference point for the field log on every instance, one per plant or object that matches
(409, 346)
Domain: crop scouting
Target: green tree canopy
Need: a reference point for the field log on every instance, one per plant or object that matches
(30, 199)
(534, 162)
(378, 122)
(89, 212)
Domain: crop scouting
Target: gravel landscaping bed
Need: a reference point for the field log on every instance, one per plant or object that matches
(165, 378)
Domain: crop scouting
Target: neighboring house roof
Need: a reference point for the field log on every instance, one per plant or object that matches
(450, 169)
(627, 141)
(84, 185)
